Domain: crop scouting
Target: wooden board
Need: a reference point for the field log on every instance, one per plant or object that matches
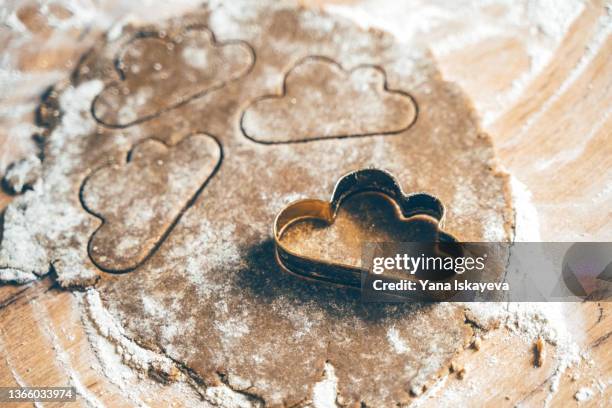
(555, 136)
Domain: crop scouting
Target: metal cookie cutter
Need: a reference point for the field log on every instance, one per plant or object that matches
(411, 207)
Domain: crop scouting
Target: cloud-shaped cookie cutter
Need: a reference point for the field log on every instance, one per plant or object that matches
(322, 100)
(409, 208)
(189, 65)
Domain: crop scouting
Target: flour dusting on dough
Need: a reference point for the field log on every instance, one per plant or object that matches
(35, 221)
(23, 174)
(324, 392)
(124, 360)
(399, 345)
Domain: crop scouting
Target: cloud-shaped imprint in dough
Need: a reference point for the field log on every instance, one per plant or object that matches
(140, 201)
(320, 100)
(160, 73)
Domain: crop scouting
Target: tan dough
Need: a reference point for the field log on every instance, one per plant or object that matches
(160, 73)
(302, 111)
(210, 295)
(163, 180)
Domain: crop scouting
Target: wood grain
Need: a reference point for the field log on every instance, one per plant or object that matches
(555, 137)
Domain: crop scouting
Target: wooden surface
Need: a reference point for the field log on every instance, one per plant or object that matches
(43, 342)
(555, 136)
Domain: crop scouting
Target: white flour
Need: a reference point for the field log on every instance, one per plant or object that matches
(527, 224)
(10, 365)
(540, 25)
(584, 394)
(325, 391)
(23, 173)
(530, 320)
(63, 357)
(123, 360)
